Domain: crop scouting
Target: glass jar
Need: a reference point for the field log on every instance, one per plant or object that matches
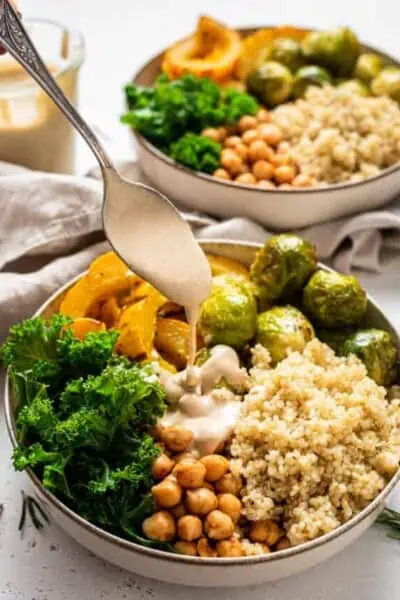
(33, 131)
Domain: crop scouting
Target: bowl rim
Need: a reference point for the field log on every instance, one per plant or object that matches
(158, 154)
(169, 556)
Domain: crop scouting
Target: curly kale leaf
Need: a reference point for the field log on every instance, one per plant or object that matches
(196, 152)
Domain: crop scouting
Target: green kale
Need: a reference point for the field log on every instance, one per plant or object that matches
(172, 109)
(33, 341)
(52, 354)
(197, 152)
(83, 419)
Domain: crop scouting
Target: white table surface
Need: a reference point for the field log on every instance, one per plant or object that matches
(120, 35)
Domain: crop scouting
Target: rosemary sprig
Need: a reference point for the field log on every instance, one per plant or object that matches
(390, 518)
(31, 507)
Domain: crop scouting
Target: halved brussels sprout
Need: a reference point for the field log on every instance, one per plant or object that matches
(283, 328)
(288, 52)
(368, 66)
(310, 75)
(282, 266)
(229, 315)
(336, 50)
(271, 83)
(387, 83)
(354, 86)
(377, 351)
(334, 300)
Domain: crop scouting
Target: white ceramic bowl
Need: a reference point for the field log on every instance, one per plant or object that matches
(196, 571)
(278, 209)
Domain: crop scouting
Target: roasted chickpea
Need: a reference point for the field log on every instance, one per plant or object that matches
(167, 493)
(259, 150)
(159, 527)
(186, 457)
(216, 466)
(232, 141)
(189, 528)
(200, 501)
(218, 525)
(178, 511)
(230, 505)
(302, 181)
(231, 547)
(222, 174)
(281, 160)
(242, 150)
(263, 115)
(285, 186)
(187, 548)
(229, 484)
(205, 549)
(268, 185)
(283, 544)
(212, 133)
(231, 161)
(249, 136)
(247, 122)
(263, 169)
(267, 532)
(190, 475)
(223, 132)
(177, 438)
(246, 179)
(245, 169)
(157, 431)
(285, 174)
(270, 133)
(162, 466)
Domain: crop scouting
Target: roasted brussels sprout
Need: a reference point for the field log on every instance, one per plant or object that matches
(334, 300)
(271, 83)
(229, 315)
(288, 52)
(283, 328)
(367, 67)
(354, 86)
(309, 75)
(376, 350)
(387, 83)
(336, 50)
(281, 267)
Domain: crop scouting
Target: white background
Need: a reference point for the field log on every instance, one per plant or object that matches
(120, 35)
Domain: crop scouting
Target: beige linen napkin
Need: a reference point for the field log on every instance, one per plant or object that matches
(50, 230)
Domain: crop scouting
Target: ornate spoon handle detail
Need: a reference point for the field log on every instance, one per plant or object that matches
(15, 38)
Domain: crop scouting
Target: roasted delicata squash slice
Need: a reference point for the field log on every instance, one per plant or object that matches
(212, 51)
(137, 325)
(255, 48)
(108, 276)
(84, 325)
(222, 266)
(110, 312)
(171, 340)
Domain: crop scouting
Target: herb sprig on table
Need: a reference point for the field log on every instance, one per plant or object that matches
(172, 114)
(83, 419)
(390, 518)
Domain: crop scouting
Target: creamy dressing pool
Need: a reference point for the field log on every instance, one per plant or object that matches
(195, 402)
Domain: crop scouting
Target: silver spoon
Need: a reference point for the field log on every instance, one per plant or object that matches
(141, 224)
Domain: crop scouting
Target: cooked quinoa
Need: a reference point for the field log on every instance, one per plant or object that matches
(337, 136)
(316, 442)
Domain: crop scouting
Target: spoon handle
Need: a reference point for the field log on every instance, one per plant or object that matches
(16, 40)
